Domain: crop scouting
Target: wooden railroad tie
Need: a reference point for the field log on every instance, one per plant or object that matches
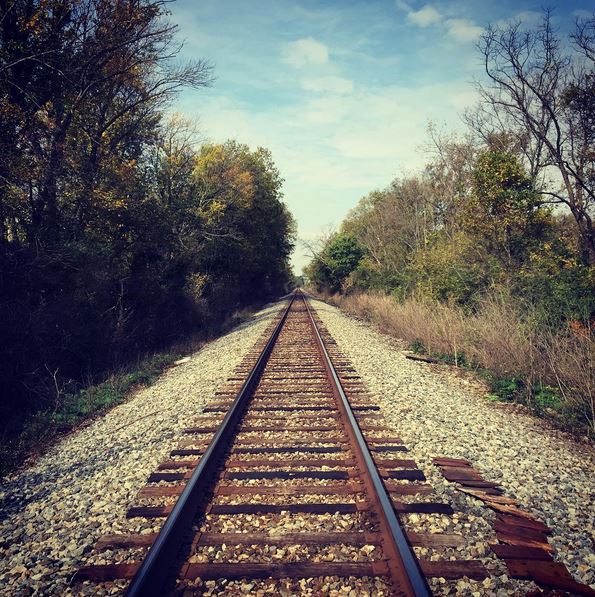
(523, 539)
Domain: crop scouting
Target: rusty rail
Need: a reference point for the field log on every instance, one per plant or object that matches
(152, 574)
(403, 567)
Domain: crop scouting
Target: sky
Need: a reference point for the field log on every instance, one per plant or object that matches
(340, 91)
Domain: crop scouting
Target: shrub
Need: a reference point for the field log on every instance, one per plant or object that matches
(552, 370)
(557, 285)
(452, 270)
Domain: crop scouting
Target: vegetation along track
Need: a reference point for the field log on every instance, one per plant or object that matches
(289, 474)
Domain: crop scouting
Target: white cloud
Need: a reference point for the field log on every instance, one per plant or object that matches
(330, 84)
(424, 17)
(527, 18)
(463, 30)
(304, 52)
(582, 14)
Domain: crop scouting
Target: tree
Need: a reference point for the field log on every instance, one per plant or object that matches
(340, 256)
(543, 94)
(393, 222)
(81, 83)
(447, 176)
(248, 231)
(503, 211)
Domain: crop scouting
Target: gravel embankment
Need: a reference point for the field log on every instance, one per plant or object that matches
(53, 512)
(439, 411)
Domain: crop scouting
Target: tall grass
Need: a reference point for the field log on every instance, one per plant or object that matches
(551, 370)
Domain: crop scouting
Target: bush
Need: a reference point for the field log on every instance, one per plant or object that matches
(452, 270)
(551, 370)
(557, 284)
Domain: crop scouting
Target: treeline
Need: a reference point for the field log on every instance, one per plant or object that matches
(119, 234)
(488, 253)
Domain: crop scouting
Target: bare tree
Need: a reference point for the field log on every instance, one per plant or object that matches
(584, 37)
(448, 174)
(315, 248)
(532, 80)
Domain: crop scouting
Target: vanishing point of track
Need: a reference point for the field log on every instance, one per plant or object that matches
(292, 433)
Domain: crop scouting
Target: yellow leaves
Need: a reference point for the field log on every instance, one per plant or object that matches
(215, 212)
(107, 200)
(35, 23)
(209, 159)
(195, 285)
(242, 183)
(173, 160)
(224, 176)
(125, 169)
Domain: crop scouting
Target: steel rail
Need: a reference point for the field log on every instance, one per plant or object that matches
(406, 575)
(153, 573)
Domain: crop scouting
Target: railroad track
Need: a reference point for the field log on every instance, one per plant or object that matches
(289, 473)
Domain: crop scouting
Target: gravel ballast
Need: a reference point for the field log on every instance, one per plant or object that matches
(441, 411)
(54, 512)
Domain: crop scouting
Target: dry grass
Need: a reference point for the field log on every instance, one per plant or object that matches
(500, 340)
(571, 359)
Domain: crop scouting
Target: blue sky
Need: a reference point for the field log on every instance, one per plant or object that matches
(340, 91)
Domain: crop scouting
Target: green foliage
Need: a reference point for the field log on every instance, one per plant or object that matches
(344, 253)
(510, 389)
(492, 235)
(417, 346)
(547, 397)
(452, 269)
(339, 258)
(502, 211)
(558, 284)
(541, 398)
(76, 407)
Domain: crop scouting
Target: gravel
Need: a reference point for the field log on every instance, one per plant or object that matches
(53, 512)
(330, 586)
(441, 411)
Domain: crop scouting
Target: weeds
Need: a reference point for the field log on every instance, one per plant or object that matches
(41, 428)
(551, 370)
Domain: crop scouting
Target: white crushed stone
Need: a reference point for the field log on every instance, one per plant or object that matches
(54, 512)
(439, 411)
